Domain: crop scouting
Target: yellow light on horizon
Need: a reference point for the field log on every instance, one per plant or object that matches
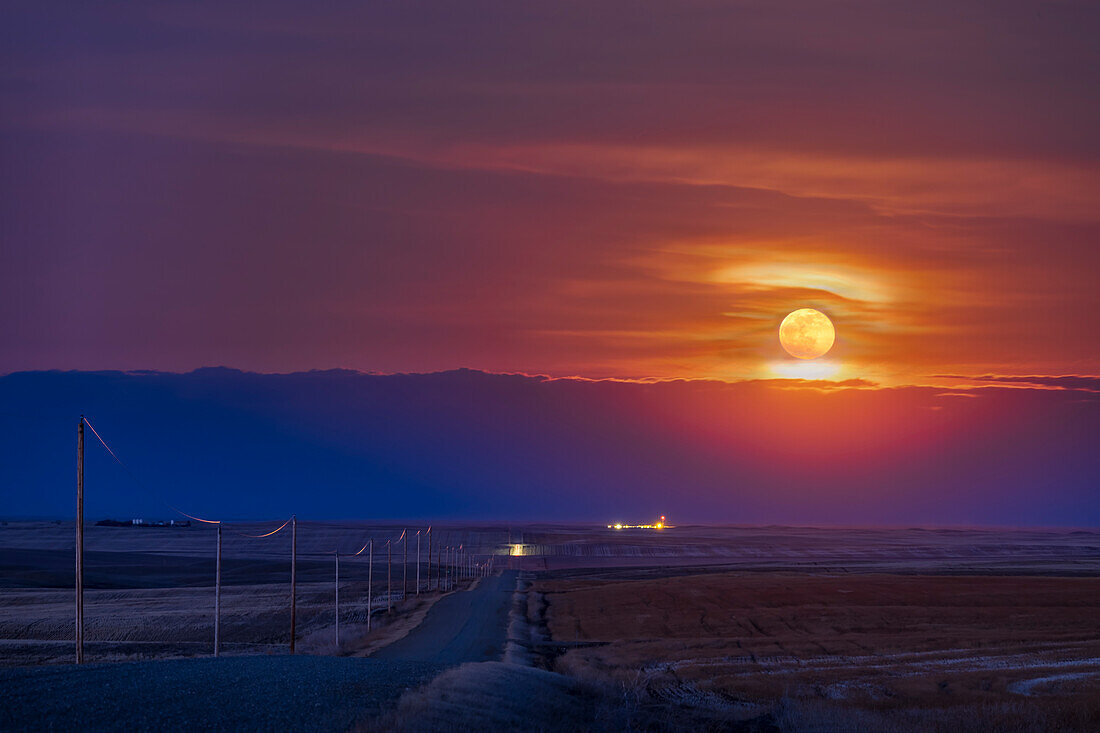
(803, 369)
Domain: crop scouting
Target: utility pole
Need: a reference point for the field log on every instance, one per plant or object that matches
(337, 601)
(389, 576)
(80, 541)
(293, 578)
(429, 578)
(418, 563)
(218, 595)
(370, 580)
(405, 565)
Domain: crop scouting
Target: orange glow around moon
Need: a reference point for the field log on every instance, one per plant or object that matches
(807, 333)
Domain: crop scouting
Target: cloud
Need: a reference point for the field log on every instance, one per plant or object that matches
(1079, 382)
(550, 187)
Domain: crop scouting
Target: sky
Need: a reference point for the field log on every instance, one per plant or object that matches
(614, 203)
(473, 446)
(638, 190)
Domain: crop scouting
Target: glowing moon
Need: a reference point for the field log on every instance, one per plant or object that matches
(807, 333)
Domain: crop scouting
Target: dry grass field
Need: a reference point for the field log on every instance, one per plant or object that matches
(840, 651)
(149, 592)
(745, 628)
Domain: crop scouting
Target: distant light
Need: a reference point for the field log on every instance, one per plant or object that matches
(656, 525)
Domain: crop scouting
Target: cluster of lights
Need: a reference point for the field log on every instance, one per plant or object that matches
(659, 525)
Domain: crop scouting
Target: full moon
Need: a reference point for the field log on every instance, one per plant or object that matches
(807, 333)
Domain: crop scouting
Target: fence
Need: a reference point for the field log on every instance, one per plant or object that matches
(241, 586)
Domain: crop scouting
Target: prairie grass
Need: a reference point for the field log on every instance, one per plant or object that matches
(824, 652)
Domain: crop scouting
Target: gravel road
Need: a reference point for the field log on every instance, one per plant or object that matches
(236, 693)
(260, 692)
(469, 626)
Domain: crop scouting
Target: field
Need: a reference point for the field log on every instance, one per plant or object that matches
(936, 643)
(149, 592)
(750, 628)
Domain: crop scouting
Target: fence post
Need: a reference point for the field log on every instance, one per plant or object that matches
(370, 580)
(293, 578)
(218, 595)
(338, 601)
(80, 541)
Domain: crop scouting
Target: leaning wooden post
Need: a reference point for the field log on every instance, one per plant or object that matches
(418, 563)
(370, 579)
(337, 601)
(293, 579)
(218, 595)
(80, 541)
(389, 576)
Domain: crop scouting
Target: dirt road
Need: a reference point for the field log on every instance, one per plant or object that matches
(468, 626)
